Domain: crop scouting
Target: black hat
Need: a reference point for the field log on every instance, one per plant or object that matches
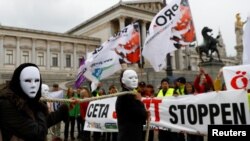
(165, 80)
(181, 80)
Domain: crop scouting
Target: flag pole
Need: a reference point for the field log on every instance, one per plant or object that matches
(140, 46)
(47, 99)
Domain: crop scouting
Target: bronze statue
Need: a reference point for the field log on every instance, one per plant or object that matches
(209, 46)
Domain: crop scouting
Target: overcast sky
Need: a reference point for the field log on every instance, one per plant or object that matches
(62, 15)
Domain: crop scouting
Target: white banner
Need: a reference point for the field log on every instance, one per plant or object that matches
(246, 43)
(171, 29)
(190, 113)
(237, 77)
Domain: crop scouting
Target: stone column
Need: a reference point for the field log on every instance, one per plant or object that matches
(121, 22)
(75, 66)
(61, 56)
(143, 31)
(1, 52)
(48, 56)
(18, 58)
(33, 54)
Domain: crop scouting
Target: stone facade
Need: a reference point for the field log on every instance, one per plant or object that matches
(57, 55)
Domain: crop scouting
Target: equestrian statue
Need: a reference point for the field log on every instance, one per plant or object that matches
(209, 46)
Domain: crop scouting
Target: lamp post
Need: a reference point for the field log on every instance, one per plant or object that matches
(188, 53)
(169, 70)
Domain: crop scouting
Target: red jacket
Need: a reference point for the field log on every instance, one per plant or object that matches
(202, 88)
(83, 109)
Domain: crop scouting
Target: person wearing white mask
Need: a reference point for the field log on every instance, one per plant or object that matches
(45, 90)
(23, 115)
(131, 112)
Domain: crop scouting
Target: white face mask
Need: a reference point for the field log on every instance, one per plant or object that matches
(130, 79)
(30, 81)
(45, 90)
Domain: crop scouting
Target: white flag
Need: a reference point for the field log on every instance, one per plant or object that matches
(171, 29)
(246, 43)
(106, 60)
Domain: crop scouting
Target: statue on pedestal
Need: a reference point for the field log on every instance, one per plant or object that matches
(239, 29)
(209, 46)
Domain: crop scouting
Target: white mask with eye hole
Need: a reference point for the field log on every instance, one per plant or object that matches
(45, 90)
(130, 79)
(30, 81)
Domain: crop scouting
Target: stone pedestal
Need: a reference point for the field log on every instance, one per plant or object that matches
(239, 51)
(212, 68)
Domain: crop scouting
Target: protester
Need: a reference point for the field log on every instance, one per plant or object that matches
(189, 90)
(205, 80)
(72, 116)
(166, 91)
(45, 94)
(23, 116)
(54, 106)
(131, 112)
(85, 93)
(180, 84)
(112, 136)
(149, 93)
(141, 88)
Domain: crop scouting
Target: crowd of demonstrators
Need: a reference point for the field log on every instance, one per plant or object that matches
(19, 102)
(23, 115)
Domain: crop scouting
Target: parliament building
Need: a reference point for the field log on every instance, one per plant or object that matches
(58, 54)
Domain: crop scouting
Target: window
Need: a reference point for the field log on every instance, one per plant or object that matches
(68, 60)
(9, 57)
(54, 60)
(25, 57)
(40, 59)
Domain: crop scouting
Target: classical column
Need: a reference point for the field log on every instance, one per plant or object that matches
(86, 51)
(61, 56)
(33, 54)
(1, 52)
(143, 31)
(122, 22)
(18, 58)
(48, 56)
(179, 58)
(74, 57)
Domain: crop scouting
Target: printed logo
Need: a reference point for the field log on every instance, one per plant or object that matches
(240, 80)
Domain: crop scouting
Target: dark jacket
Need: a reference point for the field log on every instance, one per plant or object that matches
(131, 116)
(24, 121)
(22, 117)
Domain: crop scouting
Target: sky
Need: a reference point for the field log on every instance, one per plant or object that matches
(62, 15)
